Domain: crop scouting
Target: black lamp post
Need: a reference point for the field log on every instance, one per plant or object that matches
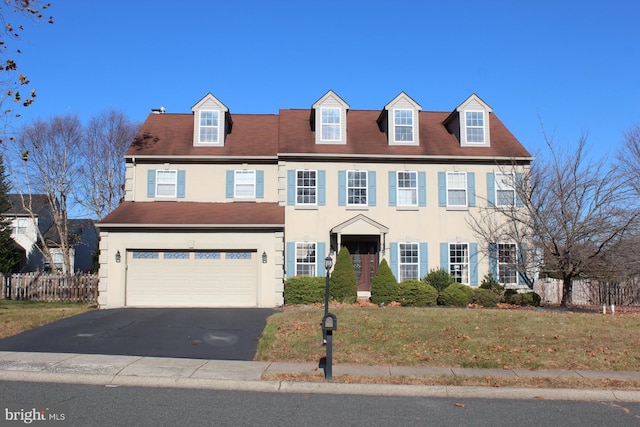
(328, 263)
(329, 324)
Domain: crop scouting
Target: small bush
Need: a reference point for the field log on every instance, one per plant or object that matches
(415, 293)
(439, 279)
(456, 294)
(485, 297)
(508, 295)
(384, 287)
(304, 290)
(488, 282)
(526, 299)
(343, 283)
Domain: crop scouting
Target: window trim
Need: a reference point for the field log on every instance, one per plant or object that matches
(467, 127)
(312, 265)
(465, 188)
(415, 189)
(215, 128)
(365, 188)
(514, 263)
(466, 265)
(235, 183)
(175, 183)
(330, 124)
(21, 230)
(315, 187)
(411, 126)
(401, 277)
(496, 189)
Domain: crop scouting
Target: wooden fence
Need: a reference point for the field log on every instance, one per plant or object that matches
(50, 287)
(590, 292)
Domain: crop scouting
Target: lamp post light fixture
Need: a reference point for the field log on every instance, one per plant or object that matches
(118, 256)
(328, 263)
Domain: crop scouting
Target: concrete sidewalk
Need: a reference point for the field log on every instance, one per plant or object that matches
(114, 371)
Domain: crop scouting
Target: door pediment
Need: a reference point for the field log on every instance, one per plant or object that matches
(360, 224)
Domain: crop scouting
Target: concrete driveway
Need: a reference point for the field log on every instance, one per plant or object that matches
(196, 333)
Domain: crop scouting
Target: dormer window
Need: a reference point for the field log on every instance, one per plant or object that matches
(475, 127)
(328, 119)
(403, 125)
(209, 121)
(331, 124)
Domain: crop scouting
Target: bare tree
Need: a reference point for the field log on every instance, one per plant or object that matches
(574, 211)
(12, 81)
(50, 166)
(102, 173)
(629, 158)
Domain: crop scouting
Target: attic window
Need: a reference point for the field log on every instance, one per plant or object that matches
(403, 125)
(330, 124)
(209, 126)
(475, 127)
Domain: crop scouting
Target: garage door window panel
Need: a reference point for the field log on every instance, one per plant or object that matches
(207, 255)
(238, 255)
(146, 254)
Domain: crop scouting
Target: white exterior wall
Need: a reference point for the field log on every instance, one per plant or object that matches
(112, 286)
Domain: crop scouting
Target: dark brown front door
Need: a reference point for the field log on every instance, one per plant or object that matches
(364, 256)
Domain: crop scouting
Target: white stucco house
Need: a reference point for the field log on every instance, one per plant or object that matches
(221, 208)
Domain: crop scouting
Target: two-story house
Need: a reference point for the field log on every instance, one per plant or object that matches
(220, 209)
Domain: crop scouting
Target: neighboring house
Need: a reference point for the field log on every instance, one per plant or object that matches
(37, 215)
(220, 209)
(26, 222)
(83, 241)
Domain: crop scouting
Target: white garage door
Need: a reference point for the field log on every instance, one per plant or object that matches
(191, 279)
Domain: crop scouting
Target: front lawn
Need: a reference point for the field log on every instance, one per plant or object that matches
(19, 316)
(474, 338)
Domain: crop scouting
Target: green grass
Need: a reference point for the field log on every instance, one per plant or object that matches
(476, 338)
(19, 316)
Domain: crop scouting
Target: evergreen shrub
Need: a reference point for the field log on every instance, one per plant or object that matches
(485, 297)
(456, 294)
(343, 284)
(384, 287)
(439, 278)
(416, 293)
(304, 290)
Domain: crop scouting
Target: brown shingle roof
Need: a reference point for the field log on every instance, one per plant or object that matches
(290, 132)
(193, 213)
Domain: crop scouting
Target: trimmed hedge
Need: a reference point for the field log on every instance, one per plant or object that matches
(384, 287)
(304, 290)
(485, 297)
(456, 294)
(525, 299)
(415, 293)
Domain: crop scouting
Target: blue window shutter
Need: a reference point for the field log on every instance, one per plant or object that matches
(291, 187)
(371, 191)
(291, 259)
(393, 258)
(181, 184)
(422, 189)
(424, 260)
(392, 188)
(444, 256)
(151, 183)
(321, 253)
(493, 260)
(471, 189)
(491, 189)
(342, 188)
(473, 261)
(522, 262)
(260, 184)
(230, 184)
(322, 188)
(442, 189)
(519, 188)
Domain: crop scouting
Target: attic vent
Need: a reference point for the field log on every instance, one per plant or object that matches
(160, 110)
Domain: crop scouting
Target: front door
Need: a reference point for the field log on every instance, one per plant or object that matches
(364, 256)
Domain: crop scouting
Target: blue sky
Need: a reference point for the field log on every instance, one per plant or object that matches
(572, 66)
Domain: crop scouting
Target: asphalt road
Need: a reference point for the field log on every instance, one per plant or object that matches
(220, 333)
(86, 405)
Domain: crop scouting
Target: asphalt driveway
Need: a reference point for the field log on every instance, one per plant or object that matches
(196, 333)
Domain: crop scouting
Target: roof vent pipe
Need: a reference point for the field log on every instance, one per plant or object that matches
(160, 110)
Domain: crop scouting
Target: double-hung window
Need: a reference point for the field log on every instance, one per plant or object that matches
(357, 188)
(331, 130)
(403, 125)
(407, 188)
(475, 127)
(21, 226)
(166, 183)
(306, 259)
(209, 121)
(505, 191)
(306, 187)
(244, 183)
(409, 261)
(459, 262)
(456, 189)
(507, 263)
